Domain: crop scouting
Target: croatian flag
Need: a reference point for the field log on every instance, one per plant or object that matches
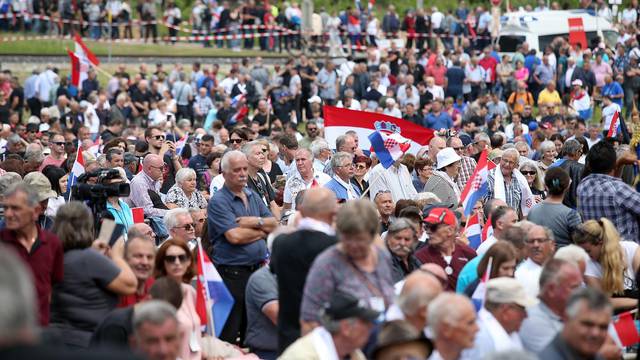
(477, 186)
(236, 100)
(473, 231)
(75, 69)
(180, 144)
(487, 230)
(96, 148)
(76, 170)
(337, 121)
(479, 294)
(623, 330)
(388, 148)
(614, 127)
(239, 115)
(214, 301)
(83, 51)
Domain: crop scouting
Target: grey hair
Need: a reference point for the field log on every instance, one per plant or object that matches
(122, 96)
(552, 272)
(184, 174)
(547, 145)
(317, 146)
(7, 180)
(481, 136)
(444, 309)
(340, 140)
(401, 224)
(171, 217)
(248, 147)
(419, 297)
(512, 355)
(571, 147)
(34, 153)
(226, 158)
(339, 157)
(14, 139)
(153, 311)
(17, 296)
(593, 299)
(572, 253)
(22, 187)
(529, 164)
(357, 216)
(547, 232)
(511, 151)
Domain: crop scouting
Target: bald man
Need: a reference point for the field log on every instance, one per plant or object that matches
(149, 179)
(435, 145)
(293, 255)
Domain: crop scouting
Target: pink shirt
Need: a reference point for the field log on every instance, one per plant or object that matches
(189, 324)
(49, 160)
(600, 71)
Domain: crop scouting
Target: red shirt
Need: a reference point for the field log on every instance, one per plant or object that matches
(129, 300)
(46, 261)
(489, 64)
(438, 73)
(459, 258)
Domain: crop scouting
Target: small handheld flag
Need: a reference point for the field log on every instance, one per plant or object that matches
(477, 186)
(479, 294)
(388, 148)
(614, 126)
(473, 231)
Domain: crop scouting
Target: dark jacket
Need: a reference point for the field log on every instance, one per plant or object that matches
(575, 170)
(399, 269)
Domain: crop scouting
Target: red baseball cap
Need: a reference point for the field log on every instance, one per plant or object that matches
(441, 216)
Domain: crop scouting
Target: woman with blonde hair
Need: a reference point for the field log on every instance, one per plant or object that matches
(613, 263)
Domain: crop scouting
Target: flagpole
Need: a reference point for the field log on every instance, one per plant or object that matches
(73, 177)
(208, 303)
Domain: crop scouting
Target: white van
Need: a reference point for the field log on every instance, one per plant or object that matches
(539, 28)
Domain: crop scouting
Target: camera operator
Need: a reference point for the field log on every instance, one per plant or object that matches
(119, 209)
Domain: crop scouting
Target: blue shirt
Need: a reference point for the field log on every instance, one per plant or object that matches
(123, 217)
(613, 88)
(468, 274)
(30, 87)
(199, 164)
(437, 122)
(224, 207)
(530, 62)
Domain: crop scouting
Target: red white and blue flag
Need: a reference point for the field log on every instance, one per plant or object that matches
(388, 148)
(614, 127)
(473, 231)
(487, 230)
(213, 301)
(337, 121)
(180, 144)
(76, 170)
(477, 186)
(478, 295)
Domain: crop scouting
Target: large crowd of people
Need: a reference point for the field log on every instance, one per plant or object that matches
(326, 253)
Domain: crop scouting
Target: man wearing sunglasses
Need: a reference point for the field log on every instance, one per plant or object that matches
(158, 145)
(181, 226)
(58, 155)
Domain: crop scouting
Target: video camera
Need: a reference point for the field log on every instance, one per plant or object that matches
(90, 188)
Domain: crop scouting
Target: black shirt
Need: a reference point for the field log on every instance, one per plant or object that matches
(291, 260)
(114, 330)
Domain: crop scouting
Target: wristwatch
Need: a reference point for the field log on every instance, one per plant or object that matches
(260, 222)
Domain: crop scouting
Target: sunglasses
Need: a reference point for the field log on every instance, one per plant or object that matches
(235, 141)
(159, 137)
(60, 143)
(265, 150)
(171, 259)
(528, 172)
(186, 227)
(361, 167)
(458, 148)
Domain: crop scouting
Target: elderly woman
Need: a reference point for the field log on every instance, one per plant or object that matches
(613, 263)
(184, 194)
(355, 265)
(443, 181)
(401, 240)
(175, 260)
(92, 282)
(548, 155)
(533, 175)
(362, 165)
(423, 169)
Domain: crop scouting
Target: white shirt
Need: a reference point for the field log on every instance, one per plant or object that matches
(216, 184)
(436, 91)
(528, 274)
(355, 105)
(568, 75)
(395, 179)
(296, 183)
(91, 119)
(395, 112)
(227, 84)
(508, 130)
(491, 338)
(629, 16)
(486, 245)
(436, 19)
(44, 83)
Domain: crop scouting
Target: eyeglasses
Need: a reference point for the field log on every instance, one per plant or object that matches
(157, 167)
(361, 167)
(532, 173)
(458, 148)
(235, 141)
(171, 259)
(186, 227)
(539, 241)
(159, 137)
